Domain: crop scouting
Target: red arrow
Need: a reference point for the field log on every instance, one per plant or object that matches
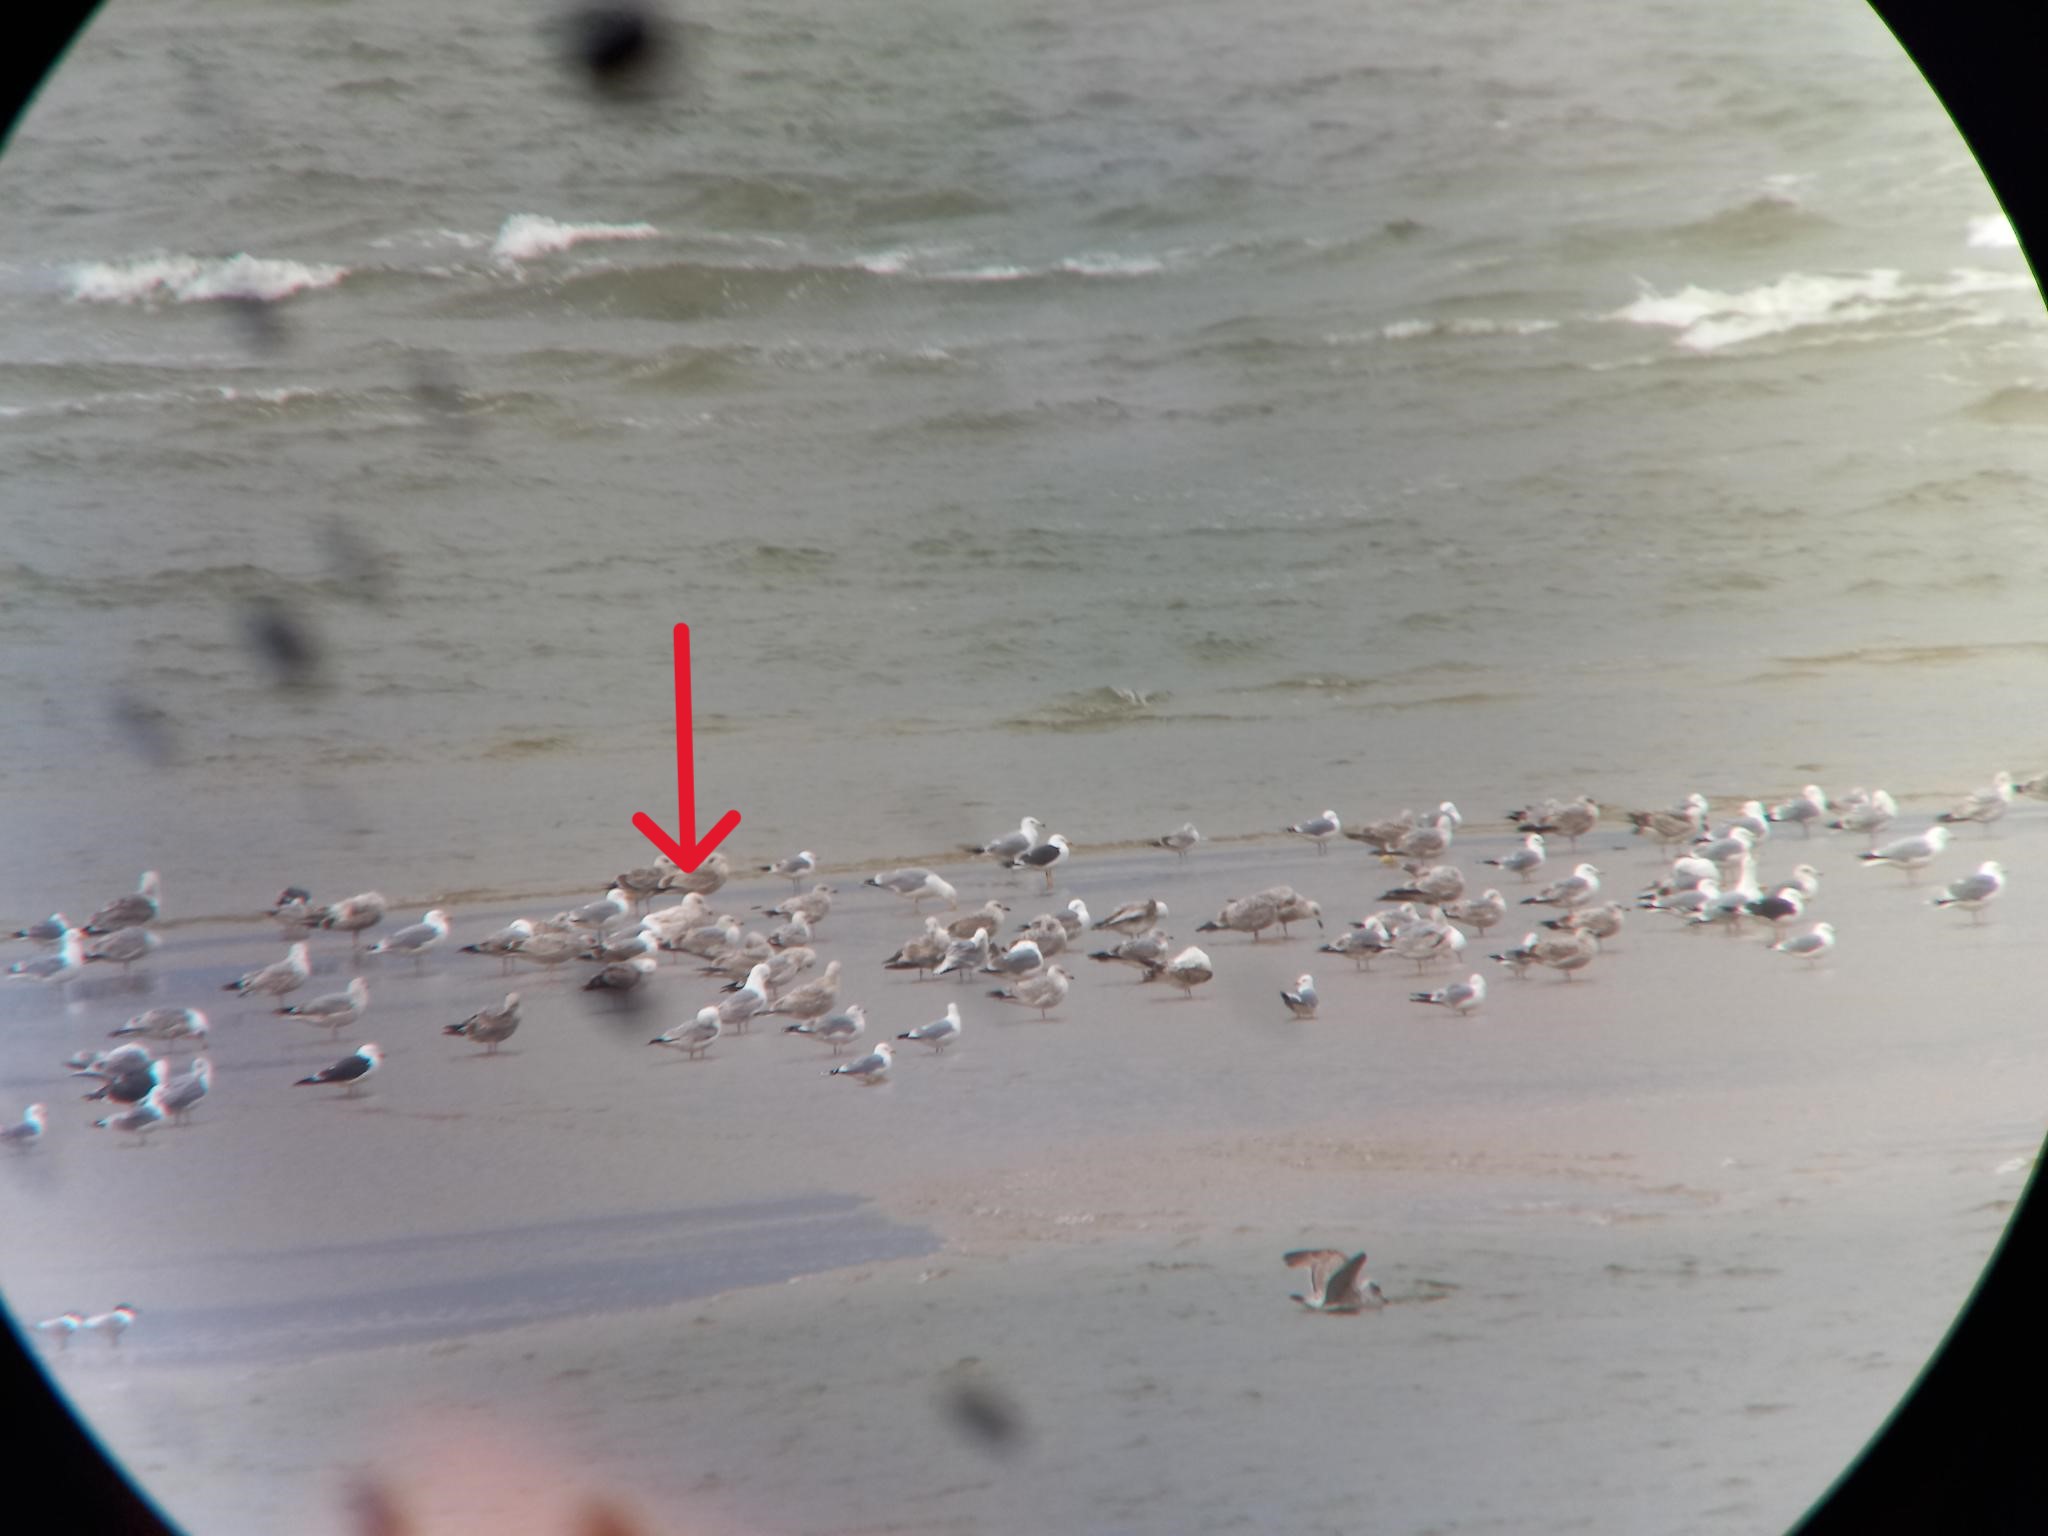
(684, 848)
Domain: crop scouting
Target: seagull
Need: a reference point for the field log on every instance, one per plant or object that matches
(350, 1069)
(1382, 835)
(1480, 912)
(1318, 828)
(414, 939)
(1573, 818)
(113, 1324)
(129, 911)
(990, 917)
(1973, 891)
(277, 978)
(1803, 810)
(705, 879)
(1073, 921)
(870, 1069)
(792, 933)
(489, 1027)
(1133, 916)
(1020, 959)
(921, 953)
(62, 1326)
(139, 1118)
(646, 881)
(1251, 914)
(1364, 941)
(1811, 945)
(504, 943)
(1428, 841)
(1334, 1282)
(1436, 885)
(630, 944)
(784, 966)
(49, 931)
(124, 946)
(1910, 853)
(1569, 953)
(812, 1000)
(593, 917)
(549, 947)
(337, 1010)
(1676, 825)
(1290, 906)
(1301, 1002)
(59, 968)
(622, 976)
(1603, 921)
(1187, 970)
(915, 885)
(1780, 907)
(1728, 847)
(1046, 856)
(1985, 805)
(839, 1029)
(794, 868)
(1574, 890)
(26, 1131)
(1870, 813)
(1044, 991)
(1426, 939)
(938, 1034)
(126, 1073)
(963, 955)
(1179, 841)
(696, 1037)
(1521, 957)
(1524, 861)
(1029, 834)
(1146, 951)
(752, 998)
(1461, 997)
(180, 1095)
(355, 914)
(295, 913)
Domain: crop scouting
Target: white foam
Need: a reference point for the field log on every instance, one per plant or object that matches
(529, 236)
(1708, 319)
(1472, 325)
(1109, 264)
(196, 279)
(1993, 232)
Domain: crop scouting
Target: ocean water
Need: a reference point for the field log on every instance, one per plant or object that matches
(1122, 413)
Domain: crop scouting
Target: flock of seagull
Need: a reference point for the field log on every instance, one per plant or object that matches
(622, 938)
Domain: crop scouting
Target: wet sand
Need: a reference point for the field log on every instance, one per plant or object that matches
(1664, 1244)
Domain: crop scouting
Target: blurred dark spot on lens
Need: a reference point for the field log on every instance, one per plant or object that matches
(283, 642)
(146, 727)
(606, 1520)
(376, 1512)
(437, 386)
(621, 50)
(258, 322)
(981, 1412)
(357, 566)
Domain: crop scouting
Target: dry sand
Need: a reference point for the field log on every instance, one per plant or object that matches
(1664, 1244)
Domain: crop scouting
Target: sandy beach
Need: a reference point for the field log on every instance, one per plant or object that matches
(1662, 1245)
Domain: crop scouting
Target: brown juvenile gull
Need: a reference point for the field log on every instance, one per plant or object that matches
(990, 917)
(504, 943)
(794, 932)
(181, 1095)
(1383, 834)
(1250, 914)
(1047, 934)
(623, 976)
(812, 1000)
(1290, 906)
(1335, 1283)
(697, 1036)
(1436, 885)
(1044, 990)
(1568, 952)
(644, 881)
(123, 946)
(549, 948)
(350, 1070)
(1985, 805)
(352, 915)
(812, 906)
(1574, 890)
(1605, 920)
(489, 1027)
(1480, 912)
(1572, 819)
(705, 879)
(130, 911)
(921, 953)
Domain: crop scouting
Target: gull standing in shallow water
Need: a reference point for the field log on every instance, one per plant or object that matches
(504, 943)
(350, 1070)
(1813, 945)
(1049, 854)
(181, 1095)
(1524, 861)
(1187, 970)
(1029, 834)
(1179, 841)
(1973, 891)
(26, 1131)
(1334, 1282)
(1301, 1002)
(137, 1119)
(124, 946)
(794, 868)
(1319, 829)
(489, 1027)
(1574, 890)
(48, 931)
(57, 969)
(938, 1034)
(837, 1030)
(1461, 997)
(870, 1069)
(1044, 990)
(915, 885)
(696, 1037)
(921, 953)
(1249, 914)
(1985, 805)
(130, 911)
(277, 978)
(355, 914)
